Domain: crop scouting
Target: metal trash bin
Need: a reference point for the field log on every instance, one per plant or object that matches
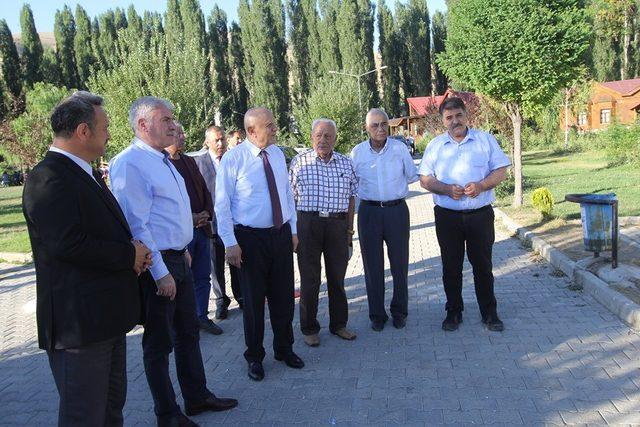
(599, 213)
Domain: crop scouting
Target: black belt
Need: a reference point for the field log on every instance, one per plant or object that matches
(466, 211)
(173, 252)
(265, 230)
(382, 204)
(322, 214)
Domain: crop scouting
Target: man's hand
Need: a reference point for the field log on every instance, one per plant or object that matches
(188, 258)
(472, 189)
(166, 287)
(294, 241)
(233, 255)
(143, 257)
(455, 191)
(200, 219)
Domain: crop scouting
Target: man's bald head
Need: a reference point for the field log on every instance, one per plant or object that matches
(260, 126)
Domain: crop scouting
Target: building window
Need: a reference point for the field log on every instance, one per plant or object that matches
(605, 116)
(582, 119)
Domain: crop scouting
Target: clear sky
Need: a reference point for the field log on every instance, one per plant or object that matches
(44, 10)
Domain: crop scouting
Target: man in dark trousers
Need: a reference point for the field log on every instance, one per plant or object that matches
(86, 265)
(257, 222)
(202, 213)
(155, 201)
(215, 145)
(461, 167)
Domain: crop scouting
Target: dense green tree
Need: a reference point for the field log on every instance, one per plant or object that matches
(193, 22)
(51, 68)
(151, 25)
(120, 19)
(237, 69)
(305, 46)
(439, 32)
(530, 52)
(65, 32)
(329, 38)
(174, 29)
(31, 48)
(82, 46)
(11, 73)
(105, 38)
(220, 71)
(413, 27)
(3, 105)
(388, 43)
(134, 21)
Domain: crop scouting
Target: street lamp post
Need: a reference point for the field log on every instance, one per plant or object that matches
(358, 77)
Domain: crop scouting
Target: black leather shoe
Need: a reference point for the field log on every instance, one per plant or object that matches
(399, 322)
(291, 360)
(377, 325)
(256, 371)
(222, 312)
(210, 327)
(176, 421)
(493, 323)
(452, 321)
(215, 404)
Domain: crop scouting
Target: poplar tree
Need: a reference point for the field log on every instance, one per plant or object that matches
(65, 31)
(300, 55)
(174, 28)
(193, 22)
(134, 21)
(388, 42)
(31, 60)
(82, 46)
(105, 38)
(439, 32)
(120, 19)
(413, 25)
(11, 73)
(51, 68)
(237, 67)
(329, 37)
(220, 71)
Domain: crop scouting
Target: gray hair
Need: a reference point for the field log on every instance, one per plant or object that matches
(379, 111)
(142, 108)
(316, 122)
(74, 110)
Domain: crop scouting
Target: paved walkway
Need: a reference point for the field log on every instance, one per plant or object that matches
(563, 359)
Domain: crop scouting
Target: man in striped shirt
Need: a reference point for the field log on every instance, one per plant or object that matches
(324, 186)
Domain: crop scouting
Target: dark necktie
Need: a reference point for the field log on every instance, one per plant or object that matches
(276, 209)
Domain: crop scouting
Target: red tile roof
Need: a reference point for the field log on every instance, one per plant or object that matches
(625, 87)
(423, 104)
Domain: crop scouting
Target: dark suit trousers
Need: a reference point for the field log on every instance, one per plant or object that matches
(318, 237)
(266, 271)
(173, 325)
(217, 269)
(200, 251)
(91, 382)
(454, 229)
(390, 225)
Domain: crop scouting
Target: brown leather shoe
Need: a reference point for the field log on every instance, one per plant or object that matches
(312, 340)
(345, 334)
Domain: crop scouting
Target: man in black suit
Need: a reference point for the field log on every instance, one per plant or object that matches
(86, 264)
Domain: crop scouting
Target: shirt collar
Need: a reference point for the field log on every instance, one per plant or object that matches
(213, 157)
(318, 159)
(255, 150)
(468, 137)
(384, 147)
(146, 147)
(77, 160)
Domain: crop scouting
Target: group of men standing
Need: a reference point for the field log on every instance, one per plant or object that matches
(148, 250)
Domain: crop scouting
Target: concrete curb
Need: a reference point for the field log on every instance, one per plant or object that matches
(626, 310)
(17, 257)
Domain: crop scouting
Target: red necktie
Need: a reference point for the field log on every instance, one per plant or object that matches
(276, 209)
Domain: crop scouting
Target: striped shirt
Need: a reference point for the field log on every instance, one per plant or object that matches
(320, 186)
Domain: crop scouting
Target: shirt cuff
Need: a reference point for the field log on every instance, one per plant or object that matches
(229, 240)
(158, 269)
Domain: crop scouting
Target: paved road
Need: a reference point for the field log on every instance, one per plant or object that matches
(563, 358)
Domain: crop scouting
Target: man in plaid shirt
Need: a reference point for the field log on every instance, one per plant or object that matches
(324, 186)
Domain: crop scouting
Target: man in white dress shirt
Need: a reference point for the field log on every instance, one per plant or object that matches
(384, 168)
(257, 222)
(154, 199)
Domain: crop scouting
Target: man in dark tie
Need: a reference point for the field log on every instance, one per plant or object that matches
(208, 162)
(155, 201)
(86, 264)
(257, 222)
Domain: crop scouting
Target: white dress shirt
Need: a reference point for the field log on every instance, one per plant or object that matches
(77, 160)
(214, 160)
(383, 176)
(242, 193)
(154, 199)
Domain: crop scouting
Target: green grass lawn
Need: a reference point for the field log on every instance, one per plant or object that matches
(13, 229)
(586, 172)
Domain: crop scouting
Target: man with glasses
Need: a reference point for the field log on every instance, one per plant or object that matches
(384, 169)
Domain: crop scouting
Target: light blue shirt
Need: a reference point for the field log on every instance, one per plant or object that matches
(242, 193)
(154, 199)
(471, 160)
(385, 175)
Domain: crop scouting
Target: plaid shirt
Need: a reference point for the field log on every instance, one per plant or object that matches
(322, 187)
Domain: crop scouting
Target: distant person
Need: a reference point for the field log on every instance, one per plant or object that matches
(208, 162)
(235, 138)
(461, 167)
(385, 169)
(86, 267)
(155, 200)
(257, 223)
(5, 179)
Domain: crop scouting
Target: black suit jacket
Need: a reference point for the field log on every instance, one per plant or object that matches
(86, 288)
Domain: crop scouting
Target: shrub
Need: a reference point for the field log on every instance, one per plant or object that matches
(506, 187)
(542, 200)
(622, 144)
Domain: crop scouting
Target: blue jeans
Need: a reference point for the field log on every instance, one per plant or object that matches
(200, 250)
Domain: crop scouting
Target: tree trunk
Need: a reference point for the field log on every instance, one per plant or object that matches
(516, 120)
(624, 66)
(567, 94)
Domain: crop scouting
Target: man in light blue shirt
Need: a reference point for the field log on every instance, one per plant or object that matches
(461, 168)
(384, 169)
(154, 199)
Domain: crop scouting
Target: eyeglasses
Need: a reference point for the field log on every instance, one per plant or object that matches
(378, 125)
